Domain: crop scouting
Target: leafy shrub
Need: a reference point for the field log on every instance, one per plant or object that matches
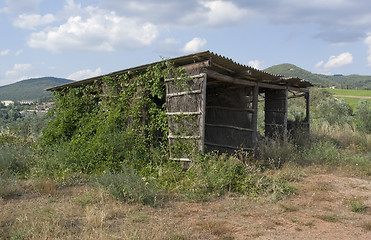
(274, 153)
(214, 175)
(334, 111)
(127, 185)
(15, 153)
(322, 152)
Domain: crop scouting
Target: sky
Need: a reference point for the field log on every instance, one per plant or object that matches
(79, 39)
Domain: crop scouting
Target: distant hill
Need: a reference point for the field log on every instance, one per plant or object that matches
(320, 80)
(30, 89)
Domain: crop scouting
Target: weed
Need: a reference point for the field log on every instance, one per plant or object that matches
(289, 207)
(46, 186)
(328, 218)
(218, 228)
(357, 205)
(293, 220)
(129, 186)
(309, 224)
(139, 217)
(8, 187)
(86, 199)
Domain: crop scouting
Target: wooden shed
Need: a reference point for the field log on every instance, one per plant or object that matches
(219, 108)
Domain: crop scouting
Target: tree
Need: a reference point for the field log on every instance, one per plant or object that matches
(334, 111)
(362, 116)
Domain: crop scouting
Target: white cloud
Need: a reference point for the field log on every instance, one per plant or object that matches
(31, 21)
(334, 62)
(223, 12)
(85, 73)
(195, 45)
(217, 13)
(17, 73)
(339, 61)
(5, 52)
(368, 43)
(97, 30)
(256, 64)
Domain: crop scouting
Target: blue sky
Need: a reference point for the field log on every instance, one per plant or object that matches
(79, 39)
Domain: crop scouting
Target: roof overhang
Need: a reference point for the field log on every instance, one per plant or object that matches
(227, 65)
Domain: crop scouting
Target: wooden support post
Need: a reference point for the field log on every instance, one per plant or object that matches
(307, 115)
(255, 114)
(285, 134)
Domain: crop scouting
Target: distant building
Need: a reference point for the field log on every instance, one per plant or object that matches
(26, 102)
(7, 102)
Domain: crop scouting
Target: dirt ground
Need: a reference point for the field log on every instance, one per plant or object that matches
(326, 206)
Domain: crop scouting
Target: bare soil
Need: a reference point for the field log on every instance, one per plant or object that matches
(321, 209)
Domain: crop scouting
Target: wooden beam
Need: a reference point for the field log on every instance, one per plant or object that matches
(183, 137)
(227, 146)
(183, 93)
(229, 126)
(228, 79)
(203, 64)
(245, 82)
(183, 113)
(192, 77)
(231, 109)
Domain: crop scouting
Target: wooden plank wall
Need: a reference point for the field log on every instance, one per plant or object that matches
(229, 123)
(276, 113)
(186, 112)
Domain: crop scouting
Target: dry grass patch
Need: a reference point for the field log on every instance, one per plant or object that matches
(218, 228)
(367, 226)
(46, 186)
(289, 207)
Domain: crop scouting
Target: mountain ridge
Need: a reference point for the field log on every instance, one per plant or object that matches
(354, 81)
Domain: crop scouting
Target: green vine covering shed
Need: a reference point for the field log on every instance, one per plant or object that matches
(198, 102)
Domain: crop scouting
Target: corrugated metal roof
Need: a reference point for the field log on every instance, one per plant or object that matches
(217, 61)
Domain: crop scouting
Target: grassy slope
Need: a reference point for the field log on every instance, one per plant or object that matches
(31, 89)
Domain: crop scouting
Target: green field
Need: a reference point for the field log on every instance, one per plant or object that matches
(352, 101)
(350, 92)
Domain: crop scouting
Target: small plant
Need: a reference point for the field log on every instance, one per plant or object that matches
(289, 207)
(7, 187)
(46, 186)
(86, 199)
(357, 205)
(218, 228)
(127, 185)
(328, 218)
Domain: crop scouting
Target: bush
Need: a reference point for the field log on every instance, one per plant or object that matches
(362, 116)
(274, 153)
(213, 175)
(127, 185)
(15, 153)
(334, 111)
